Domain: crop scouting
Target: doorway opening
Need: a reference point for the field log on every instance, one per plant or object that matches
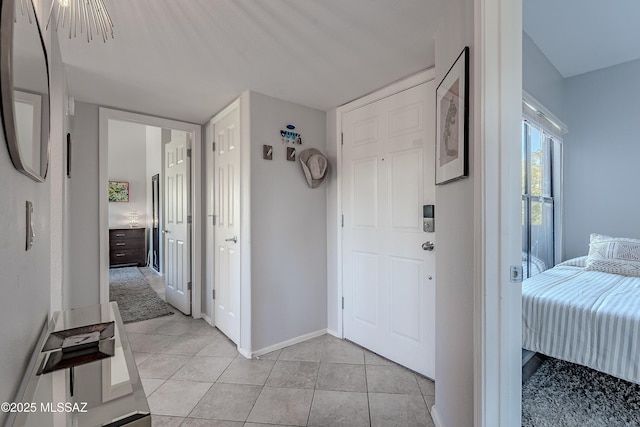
(145, 164)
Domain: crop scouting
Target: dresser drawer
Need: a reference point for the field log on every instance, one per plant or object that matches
(126, 243)
(126, 256)
(127, 246)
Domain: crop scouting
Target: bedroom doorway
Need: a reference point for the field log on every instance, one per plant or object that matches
(147, 217)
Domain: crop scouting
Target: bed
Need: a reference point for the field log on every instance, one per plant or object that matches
(591, 318)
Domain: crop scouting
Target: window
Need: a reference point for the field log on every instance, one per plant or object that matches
(537, 200)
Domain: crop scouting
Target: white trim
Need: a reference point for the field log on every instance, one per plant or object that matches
(435, 416)
(245, 344)
(106, 114)
(334, 333)
(207, 319)
(537, 113)
(497, 86)
(246, 354)
(290, 342)
(385, 92)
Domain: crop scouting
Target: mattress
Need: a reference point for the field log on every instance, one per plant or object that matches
(584, 317)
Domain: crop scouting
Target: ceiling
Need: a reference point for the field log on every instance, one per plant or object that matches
(186, 60)
(576, 40)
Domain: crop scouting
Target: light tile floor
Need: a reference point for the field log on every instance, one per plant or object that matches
(194, 376)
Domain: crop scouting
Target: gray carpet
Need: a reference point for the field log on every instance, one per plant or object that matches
(562, 394)
(136, 300)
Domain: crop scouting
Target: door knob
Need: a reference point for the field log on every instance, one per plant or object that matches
(234, 239)
(428, 246)
(165, 231)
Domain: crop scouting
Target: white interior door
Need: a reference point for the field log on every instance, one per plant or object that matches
(177, 245)
(226, 131)
(387, 176)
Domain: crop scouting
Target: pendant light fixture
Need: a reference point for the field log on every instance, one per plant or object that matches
(88, 16)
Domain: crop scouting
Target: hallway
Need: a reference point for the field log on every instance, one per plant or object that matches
(193, 376)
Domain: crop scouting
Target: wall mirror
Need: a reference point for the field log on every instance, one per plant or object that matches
(24, 86)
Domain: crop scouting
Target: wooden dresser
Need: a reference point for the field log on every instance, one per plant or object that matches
(127, 246)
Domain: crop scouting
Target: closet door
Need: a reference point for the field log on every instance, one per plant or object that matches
(226, 254)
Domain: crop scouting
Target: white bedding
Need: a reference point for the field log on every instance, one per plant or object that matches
(585, 317)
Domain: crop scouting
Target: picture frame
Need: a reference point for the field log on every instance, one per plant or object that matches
(452, 122)
(118, 191)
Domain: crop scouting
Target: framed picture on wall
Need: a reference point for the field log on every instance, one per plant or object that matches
(452, 122)
(118, 191)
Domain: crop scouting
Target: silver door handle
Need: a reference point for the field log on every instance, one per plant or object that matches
(234, 239)
(428, 246)
(165, 231)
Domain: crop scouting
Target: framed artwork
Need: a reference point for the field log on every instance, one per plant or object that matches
(452, 122)
(118, 191)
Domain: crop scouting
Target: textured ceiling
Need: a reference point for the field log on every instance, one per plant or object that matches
(187, 59)
(586, 35)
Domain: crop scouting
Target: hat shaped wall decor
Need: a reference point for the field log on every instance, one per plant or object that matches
(314, 165)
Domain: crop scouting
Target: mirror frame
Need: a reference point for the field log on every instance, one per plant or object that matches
(7, 109)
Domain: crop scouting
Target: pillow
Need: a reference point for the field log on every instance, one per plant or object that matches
(615, 255)
(574, 262)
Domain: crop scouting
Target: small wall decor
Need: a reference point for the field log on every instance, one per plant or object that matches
(118, 191)
(314, 165)
(291, 154)
(289, 136)
(267, 152)
(452, 122)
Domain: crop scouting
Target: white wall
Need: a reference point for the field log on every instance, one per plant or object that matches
(288, 227)
(455, 249)
(541, 79)
(84, 239)
(128, 162)
(601, 153)
(31, 279)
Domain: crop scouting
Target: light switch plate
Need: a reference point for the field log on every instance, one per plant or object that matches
(29, 219)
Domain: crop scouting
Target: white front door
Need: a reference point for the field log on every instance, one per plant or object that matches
(177, 244)
(387, 177)
(226, 255)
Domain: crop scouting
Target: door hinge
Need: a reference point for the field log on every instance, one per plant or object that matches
(341, 138)
(214, 219)
(189, 219)
(213, 146)
(188, 152)
(342, 221)
(213, 294)
(343, 303)
(516, 274)
(188, 286)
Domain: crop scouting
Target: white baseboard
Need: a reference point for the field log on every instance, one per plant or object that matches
(289, 342)
(207, 319)
(333, 333)
(246, 354)
(435, 417)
